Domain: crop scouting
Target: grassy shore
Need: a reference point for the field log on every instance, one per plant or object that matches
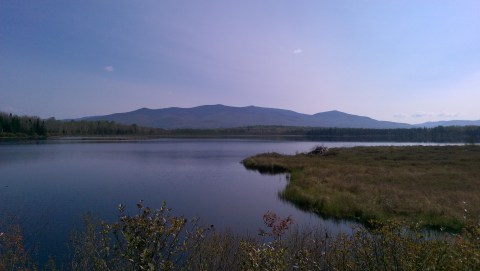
(436, 186)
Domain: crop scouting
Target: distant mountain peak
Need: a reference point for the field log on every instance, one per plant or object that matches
(142, 109)
(212, 105)
(334, 111)
(222, 116)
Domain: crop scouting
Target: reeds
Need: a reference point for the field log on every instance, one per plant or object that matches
(429, 185)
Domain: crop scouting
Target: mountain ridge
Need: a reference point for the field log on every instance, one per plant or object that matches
(222, 116)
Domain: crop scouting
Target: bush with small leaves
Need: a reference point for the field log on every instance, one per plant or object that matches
(150, 240)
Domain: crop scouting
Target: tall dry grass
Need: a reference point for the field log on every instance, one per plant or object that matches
(435, 185)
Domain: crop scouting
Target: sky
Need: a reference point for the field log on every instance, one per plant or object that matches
(403, 61)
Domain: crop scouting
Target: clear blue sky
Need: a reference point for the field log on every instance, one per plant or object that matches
(405, 61)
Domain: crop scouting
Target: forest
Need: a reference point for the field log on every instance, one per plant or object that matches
(13, 126)
(463, 134)
(441, 134)
(16, 126)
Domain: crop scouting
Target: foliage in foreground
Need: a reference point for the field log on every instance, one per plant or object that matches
(150, 240)
(157, 240)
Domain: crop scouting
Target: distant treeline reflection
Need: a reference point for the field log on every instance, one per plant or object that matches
(12, 126)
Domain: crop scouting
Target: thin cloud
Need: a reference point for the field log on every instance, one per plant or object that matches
(108, 68)
(442, 115)
(421, 115)
(297, 51)
(400, 116)
(448, 115)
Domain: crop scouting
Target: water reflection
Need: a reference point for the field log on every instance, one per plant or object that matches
(49, 186)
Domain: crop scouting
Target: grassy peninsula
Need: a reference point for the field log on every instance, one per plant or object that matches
(436, 186)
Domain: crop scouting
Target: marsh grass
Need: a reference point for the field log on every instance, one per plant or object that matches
(436, 186)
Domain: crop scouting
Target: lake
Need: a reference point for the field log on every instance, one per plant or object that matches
(46, 186)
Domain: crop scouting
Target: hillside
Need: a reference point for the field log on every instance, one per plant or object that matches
(221, 116)
(431, 124)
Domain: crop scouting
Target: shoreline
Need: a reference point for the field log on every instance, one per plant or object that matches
(430, 185)
(220, 136)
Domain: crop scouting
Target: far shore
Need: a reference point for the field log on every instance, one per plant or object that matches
(211, 136)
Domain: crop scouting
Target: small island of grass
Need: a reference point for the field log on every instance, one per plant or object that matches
(436, 186)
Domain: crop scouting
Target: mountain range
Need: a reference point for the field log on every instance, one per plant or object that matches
(221, 116)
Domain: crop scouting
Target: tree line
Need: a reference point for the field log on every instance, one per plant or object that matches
(31, 126)
(13, 126)
(97, 128)
(465, 134)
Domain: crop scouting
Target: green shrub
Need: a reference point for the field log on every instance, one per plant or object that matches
(157, 240)
(150, 240)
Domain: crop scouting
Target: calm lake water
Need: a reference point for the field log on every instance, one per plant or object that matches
(47, 186)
